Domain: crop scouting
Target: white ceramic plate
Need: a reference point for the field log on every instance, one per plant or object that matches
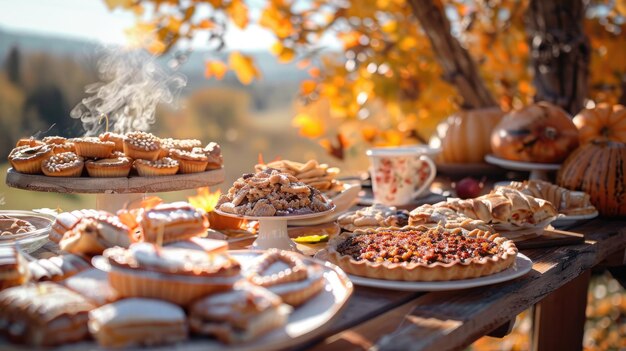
(522, 266)
(563, 220)
(304, 323)
(521, 166)
(343, 201)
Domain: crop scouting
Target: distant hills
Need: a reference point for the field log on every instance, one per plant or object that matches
(273, 72)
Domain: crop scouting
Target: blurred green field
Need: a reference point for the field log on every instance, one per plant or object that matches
(17, 199)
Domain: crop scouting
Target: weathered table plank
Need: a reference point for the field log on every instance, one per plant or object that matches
(453, 320)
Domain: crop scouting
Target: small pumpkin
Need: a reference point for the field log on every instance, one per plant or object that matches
(464, 136)
(599, 169)
(541, 132)
(603, 122)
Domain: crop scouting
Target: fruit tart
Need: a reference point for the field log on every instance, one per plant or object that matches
(421, 253)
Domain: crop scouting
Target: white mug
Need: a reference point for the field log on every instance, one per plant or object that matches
(400, 174)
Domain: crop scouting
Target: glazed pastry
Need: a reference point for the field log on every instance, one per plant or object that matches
(30, 142)
(10, 226)
(271, 193)
(189, 162)
(43, 314)
(430, 216)
(66, 221)
(56, 268)
(25, 159)
(375, 216)
(164, 166)
(567, 202)
(66, 164)
(238, 315)
(213, 152)
(93, 235)
(13, 267)
(506, 210)
(109, 167)
(286, 275)
(93, 285)
(319, 176)
(138, 322)
(59, 144)
(173, 222)
(142, 145)
(211, 246)
(421, 253)
(92, 147)
(117, 139)
(176, 275)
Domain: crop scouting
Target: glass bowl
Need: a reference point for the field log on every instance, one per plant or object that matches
(33, 240)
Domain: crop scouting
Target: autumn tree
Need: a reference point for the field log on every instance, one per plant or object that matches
(406, 64)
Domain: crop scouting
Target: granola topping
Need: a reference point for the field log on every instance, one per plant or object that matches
(143, 140)
(165, 162)
(62, 161)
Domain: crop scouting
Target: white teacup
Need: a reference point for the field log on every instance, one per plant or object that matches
(401, 174)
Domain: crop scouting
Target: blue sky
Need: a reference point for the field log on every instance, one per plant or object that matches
(92, 20)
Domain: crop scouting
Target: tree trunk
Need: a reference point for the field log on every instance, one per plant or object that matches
(559, 52)
(459, 68)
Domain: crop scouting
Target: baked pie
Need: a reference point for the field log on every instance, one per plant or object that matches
(377, 215)
(13, 267)
(93, 235)
(272, 193)
(429, 215)
(43, 314)
(567, 202)
(421, 253)
(506, 210)
(238, 315)
(285, 274)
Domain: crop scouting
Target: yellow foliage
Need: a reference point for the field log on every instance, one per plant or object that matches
(215, 69)
(238, 12)
(309, 127)
(243, 66)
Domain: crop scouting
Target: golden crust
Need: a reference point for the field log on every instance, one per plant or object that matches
(437, 271)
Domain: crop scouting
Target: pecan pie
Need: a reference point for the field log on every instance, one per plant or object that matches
(421, 253)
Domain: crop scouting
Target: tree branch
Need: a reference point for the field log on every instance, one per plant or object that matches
(459, 68)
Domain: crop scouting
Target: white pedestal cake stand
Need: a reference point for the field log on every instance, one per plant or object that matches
(273, 230)
(113, 194)
(537, 170)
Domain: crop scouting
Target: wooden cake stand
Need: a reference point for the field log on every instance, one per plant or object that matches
(113, 194)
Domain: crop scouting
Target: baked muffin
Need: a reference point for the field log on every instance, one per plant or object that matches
(30, 142)
(169, 144)
(213, 152)
(142, 145)
(54, 140)
(118, 139)
(109, 167)
(189, 161)
(162, 167)
(66, 164)
(26, 159)
(92, 147)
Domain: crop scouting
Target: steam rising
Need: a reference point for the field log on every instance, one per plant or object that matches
(132, 85)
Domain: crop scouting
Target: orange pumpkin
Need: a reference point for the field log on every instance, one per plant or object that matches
(541, 132)
(599, 169)
(464, 136)
(604, 122)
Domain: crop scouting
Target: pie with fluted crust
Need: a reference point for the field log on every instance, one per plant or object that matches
(421, 253)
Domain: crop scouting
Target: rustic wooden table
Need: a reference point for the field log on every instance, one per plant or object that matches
(556, 286)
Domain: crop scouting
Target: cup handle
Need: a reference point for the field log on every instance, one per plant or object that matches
(431, 176)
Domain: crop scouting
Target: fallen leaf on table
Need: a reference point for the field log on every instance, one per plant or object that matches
(311, 239)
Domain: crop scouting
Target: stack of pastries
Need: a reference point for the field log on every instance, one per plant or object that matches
(114, 155)
(155, 282)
